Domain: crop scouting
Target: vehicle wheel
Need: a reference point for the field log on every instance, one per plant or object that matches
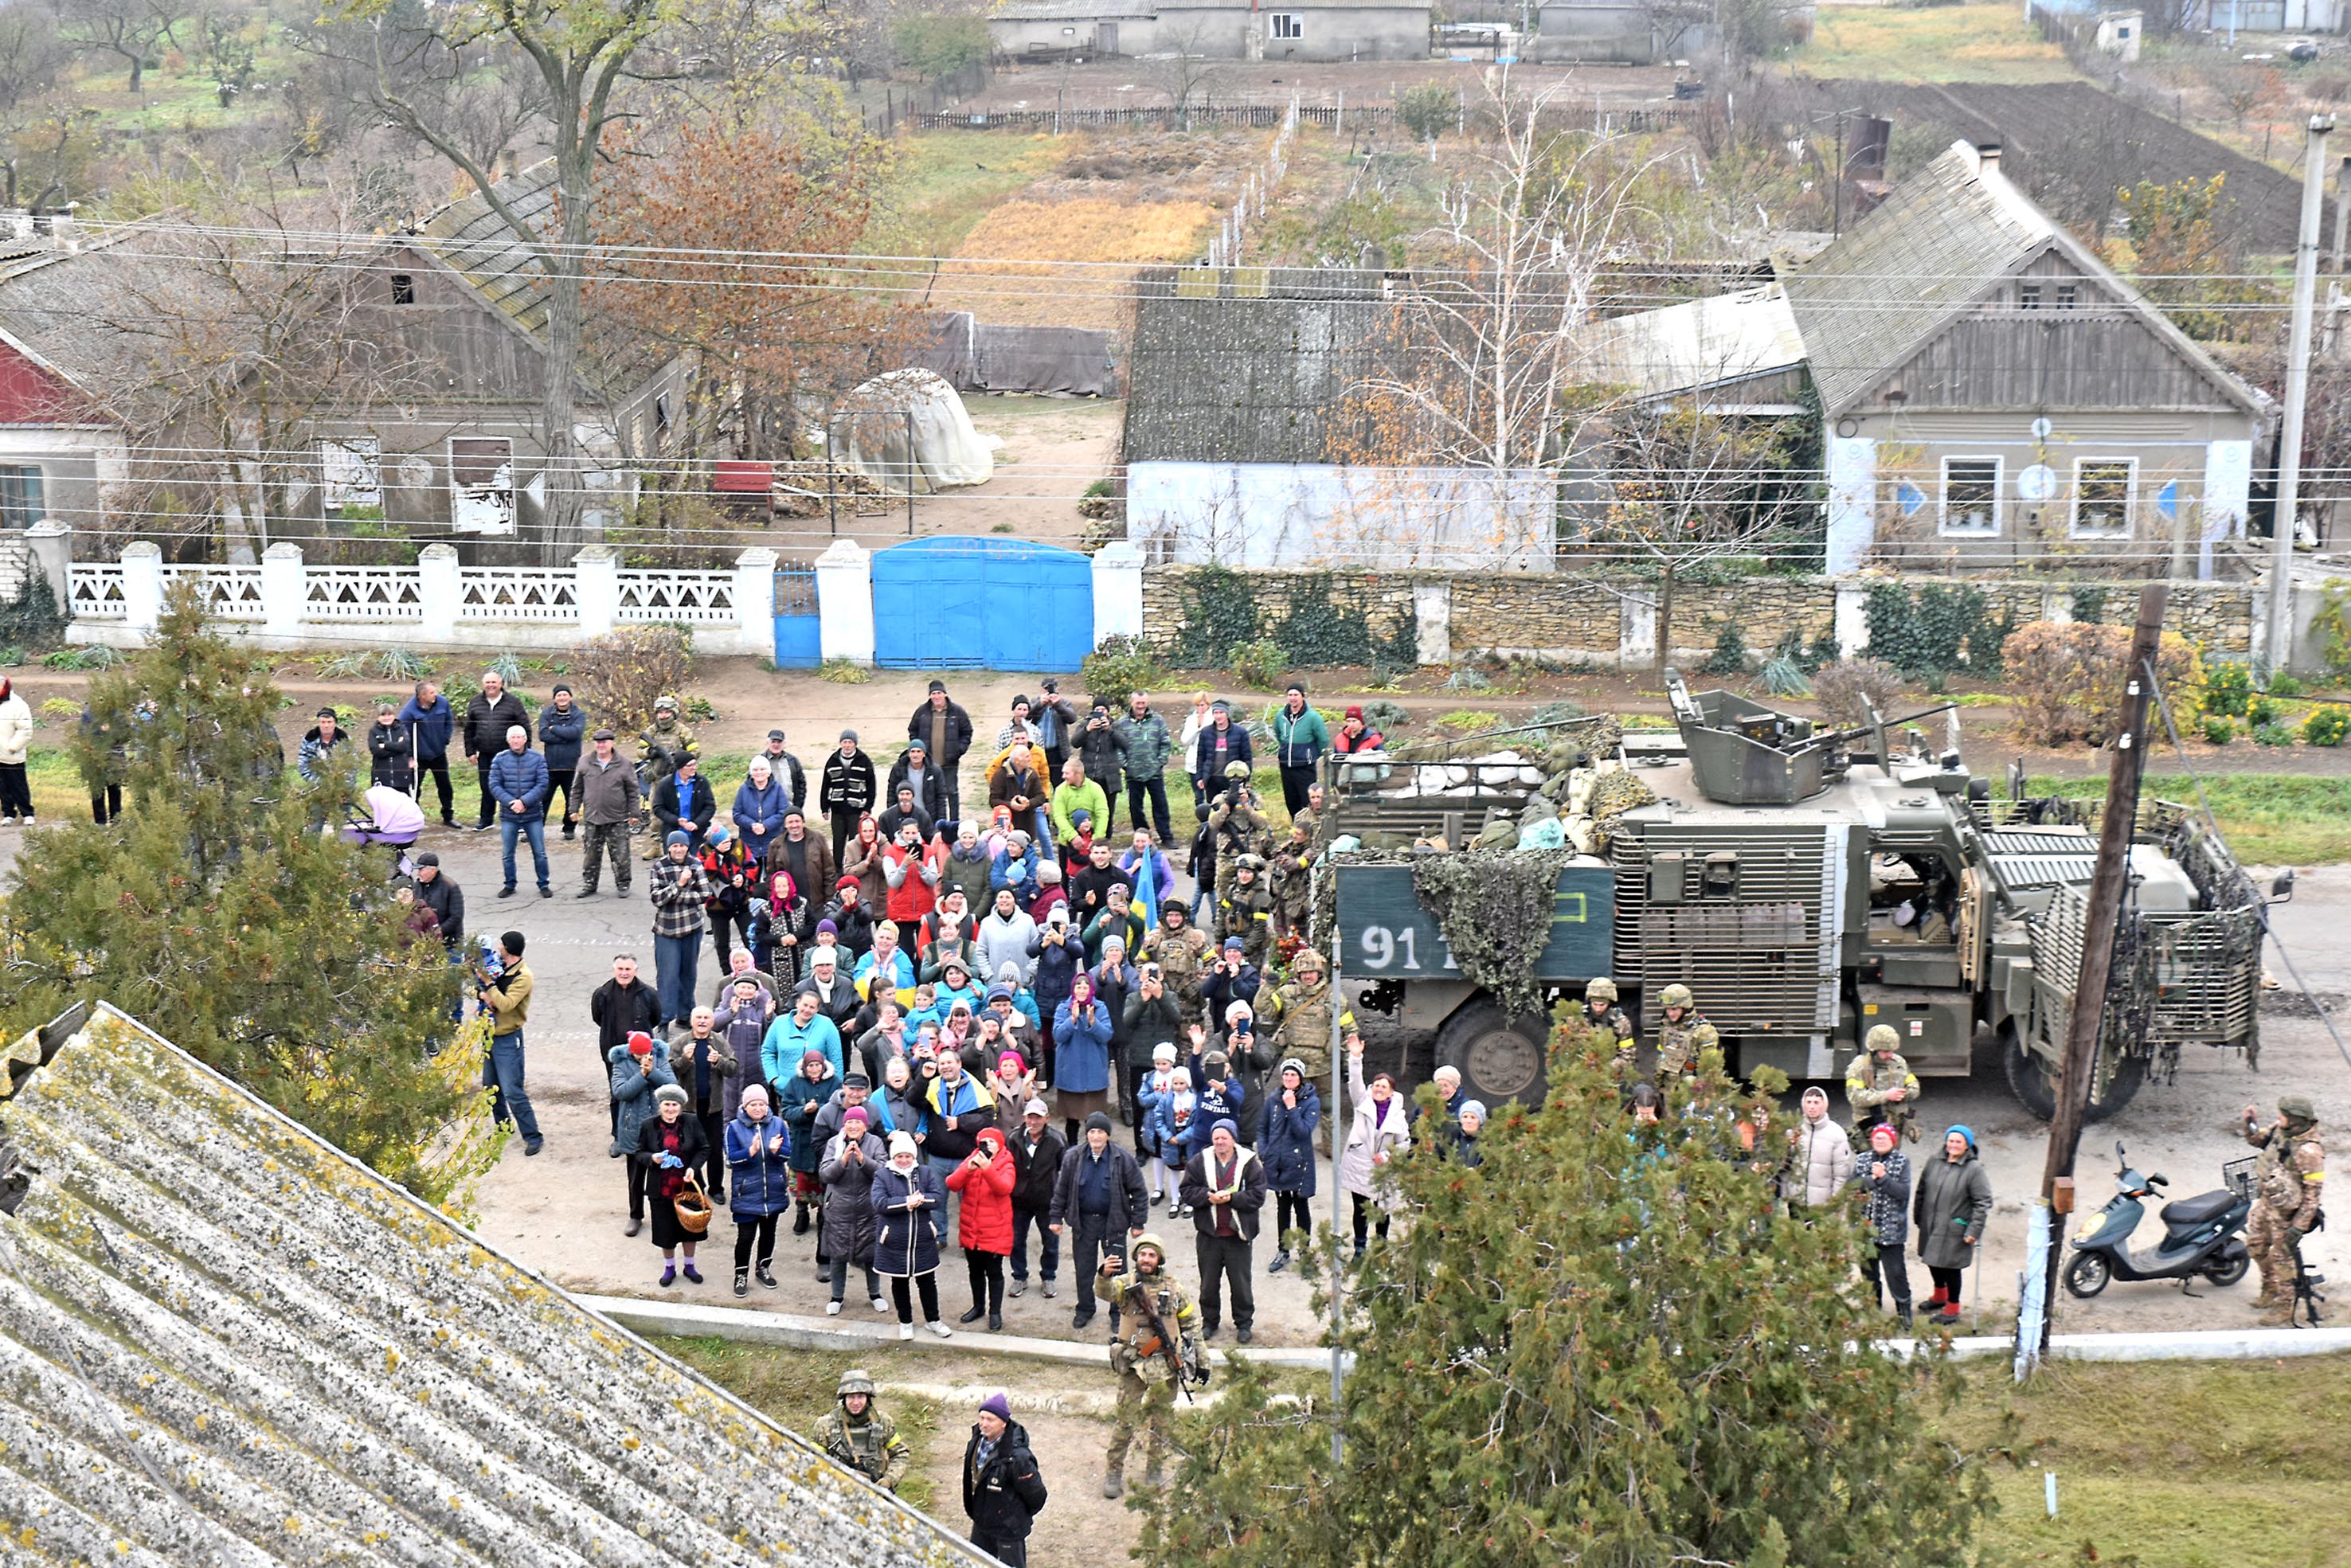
(2087, 1274)
(2230, 1266)
(2036, 1091)
(1501, 1060)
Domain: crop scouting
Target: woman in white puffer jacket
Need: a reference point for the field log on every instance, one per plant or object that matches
(15, 740)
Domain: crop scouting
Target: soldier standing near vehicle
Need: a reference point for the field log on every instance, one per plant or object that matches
(1299, 1010)
(1160, 1349)
(1683, 1034)
(1238, 823)
(856, 1433)
(1880, 1086)
(1245, 908)
(2289, 1176)
(1603, 1016)
(1294, 877)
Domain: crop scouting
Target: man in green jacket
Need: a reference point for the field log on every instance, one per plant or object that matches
(1299, 740)
(1144, 748)
(1076, 792)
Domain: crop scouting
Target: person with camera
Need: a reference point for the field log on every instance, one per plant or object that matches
(985, 1179)
(1224, 1187)
(1160, 1350)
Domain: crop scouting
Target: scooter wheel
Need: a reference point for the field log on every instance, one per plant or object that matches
(2087, 1274)
(2230, 1266)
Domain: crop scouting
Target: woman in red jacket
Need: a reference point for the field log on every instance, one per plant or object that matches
(985, 1228)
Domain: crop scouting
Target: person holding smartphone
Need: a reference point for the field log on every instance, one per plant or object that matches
(985, 1179)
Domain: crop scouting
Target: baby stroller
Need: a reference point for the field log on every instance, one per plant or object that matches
(390, 818)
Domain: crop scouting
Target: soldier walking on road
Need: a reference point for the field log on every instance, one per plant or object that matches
(858, 1433)
(1880, 1086)
(1160, 1347)
(2289, 1179)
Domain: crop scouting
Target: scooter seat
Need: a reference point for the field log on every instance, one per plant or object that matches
(2201, 1209)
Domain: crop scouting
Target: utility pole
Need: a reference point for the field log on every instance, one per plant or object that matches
(1330, 1119)
(2342, 211)
(2297, 394)
(2108, 882)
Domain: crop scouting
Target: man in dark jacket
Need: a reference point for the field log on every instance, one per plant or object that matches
(944, 729)
(1055, 721)
(391, 746)
(1098, 748)
(493, 712)
(429, 721)
(847, 789)
(1222, 743)
(682, 803)
(1002, 1491)
(444, 898)
(620, 1006)
(561, 724)
(804, 855)
(934, 786)
(1037, 1152)
(1099, 1191)
(1224, 1187)
(786, 769)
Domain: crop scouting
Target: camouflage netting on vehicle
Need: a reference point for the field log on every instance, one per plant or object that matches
(1495, 911)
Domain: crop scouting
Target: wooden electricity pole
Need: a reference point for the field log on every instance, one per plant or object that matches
(2108, 883)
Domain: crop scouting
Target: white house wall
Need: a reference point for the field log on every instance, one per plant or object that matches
(1275, 516)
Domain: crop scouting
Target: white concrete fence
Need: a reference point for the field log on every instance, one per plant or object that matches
(285, 602)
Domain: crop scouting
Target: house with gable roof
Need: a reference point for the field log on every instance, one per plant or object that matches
(1992, 392)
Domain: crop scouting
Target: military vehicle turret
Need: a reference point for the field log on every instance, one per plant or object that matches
(1805, 884)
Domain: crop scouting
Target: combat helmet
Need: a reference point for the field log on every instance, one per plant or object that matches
(1148, 1239)
(1307, 958)
(2297, 1108)
(1237, 768)
(1602, 989)
(1675, 996)
(856, 1380)
(1881, 1037)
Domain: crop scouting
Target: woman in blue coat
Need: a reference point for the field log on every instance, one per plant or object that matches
(1286, 1145)
(760, 802)
(1081, 1031)
(759, 1159)
(908, 1199)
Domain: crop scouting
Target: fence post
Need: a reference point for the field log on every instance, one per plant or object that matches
(844, 602)
(1637, 631)
(1432, 622)
(438, 594)
(51, 544)
(143, 586)
(1851, 626)
(596, 588)
(285, 590)
(1118, 590)
(754, 602)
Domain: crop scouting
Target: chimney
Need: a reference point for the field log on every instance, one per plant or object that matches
(1988, 157)
(67, 232)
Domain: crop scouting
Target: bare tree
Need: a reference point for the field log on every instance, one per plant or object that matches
(1187, 72)
(127, 29)
(38, 127)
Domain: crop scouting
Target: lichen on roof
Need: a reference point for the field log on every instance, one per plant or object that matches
(224, 1341)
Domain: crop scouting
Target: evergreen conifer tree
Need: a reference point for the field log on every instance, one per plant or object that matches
(1608, 1346)
(217, 914)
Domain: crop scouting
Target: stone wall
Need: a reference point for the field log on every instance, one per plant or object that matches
(1583, 620)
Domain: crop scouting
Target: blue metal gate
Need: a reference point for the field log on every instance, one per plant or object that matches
(982, 603)
(796, 623)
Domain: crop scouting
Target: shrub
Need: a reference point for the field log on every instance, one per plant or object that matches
(1558, 711)
(2273, 735)
(1469, 721)
(1468, 680)
(937, 47)
(61, 710)
(2325, 727)
(2220, 731)
(2068, 680)
(1389, 718)
(2285, 685)
(843, 671)
(1730, 656)
(1427, 110)
(2258, 711)
(618, 676)
(1849, 687)
(2228, 689)
(1261, 661)
(1121, 666)
(1785, 678)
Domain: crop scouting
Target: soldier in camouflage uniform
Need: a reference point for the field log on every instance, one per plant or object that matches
(1245, 907)
(1146, 1382)
(1239, 824)
(1603, 1016)
(659, 743)
(1294, 877)
(1880, 1086)
(2289, 1177)
(1180, 950)
(1682, 1034)
(1300, 1011)
(858, 1435)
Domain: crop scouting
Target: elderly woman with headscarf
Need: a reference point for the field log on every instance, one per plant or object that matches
(670, 1146)
(907, 1198)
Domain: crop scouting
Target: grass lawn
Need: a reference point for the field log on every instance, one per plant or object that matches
(946, 181)
(795, 1388)
(2226, 1465)
(1944, 43)
(2269, 819)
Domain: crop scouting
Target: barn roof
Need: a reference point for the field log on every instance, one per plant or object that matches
(1945, 238)
(1693, 346)
(227, 1342)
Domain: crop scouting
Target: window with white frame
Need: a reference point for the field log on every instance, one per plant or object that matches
(20, 495)
(351, 473)
(2103, 488)
(1288, 24)
(1971, 504)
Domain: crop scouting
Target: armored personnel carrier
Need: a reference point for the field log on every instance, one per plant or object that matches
(1805, 884)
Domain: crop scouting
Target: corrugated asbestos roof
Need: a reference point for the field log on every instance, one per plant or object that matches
(226, 1342)
(1946, 237)
(472, 238)
(1688, 347)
